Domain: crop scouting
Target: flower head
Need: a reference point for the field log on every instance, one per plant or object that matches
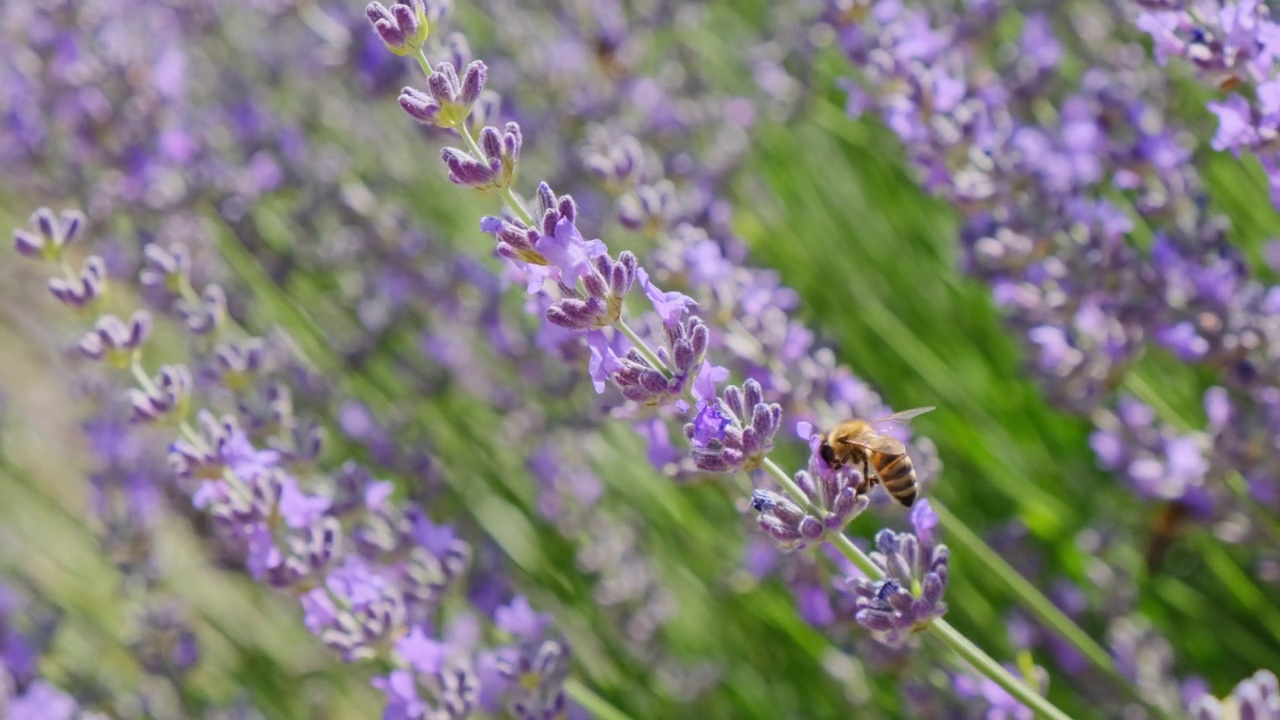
(403, 27)
(53, 233)
(670, 306)
(448, 100)
(1256, 697)
(909, 597)
(494, 168)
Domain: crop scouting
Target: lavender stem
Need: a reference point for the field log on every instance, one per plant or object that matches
(962, 646)
(423, 62)
(642, 348)
(987, 665)
(591, 702)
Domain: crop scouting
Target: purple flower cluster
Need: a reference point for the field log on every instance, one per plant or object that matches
(403, 27)
(1147, 658)
(453, 677)
(736, 431)
(1000, 705)
(659, 190)
(909, 597)
(1231, 45)
(1049, 203)
(1254, 697)
(448, 100)
(732, 432)
(1157, 462)
(26, 631)
(1048, 208)
(833, 497)
(369, 572)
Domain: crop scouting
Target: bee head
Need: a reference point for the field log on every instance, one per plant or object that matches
(828, 454)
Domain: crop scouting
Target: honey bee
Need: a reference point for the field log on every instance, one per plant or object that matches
(883, 459)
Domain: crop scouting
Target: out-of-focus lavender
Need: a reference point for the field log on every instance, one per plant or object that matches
(303, 547)
(1231, 47)
(26, 629)
(731, 430)
(714, 289)
(174, 145)
(1255, 697)
(367, 570)
(1049, 204)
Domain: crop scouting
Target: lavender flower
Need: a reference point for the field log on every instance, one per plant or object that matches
(357, 611)
(618, 163)
(910, 596)
(163, 640)
(403, 27)
(832, 496)
(166, 267)
(26, 631)
(1228, 45)
(450, 677)
(598, 304)
(114, 340)
(53, 234)
(734, 432)
(494, 167)
(206, 315)
(1000, 704)
(168, 393)
(452, 690)
(85, 291)
(1254, 697)
(1159, 463)
(643, 384)
(785, 521)
(367, 572)
(448, 101)
(535, 666)
(536, 671)
(238, 363)
(649, 208)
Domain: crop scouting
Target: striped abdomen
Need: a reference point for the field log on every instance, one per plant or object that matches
(897, 475)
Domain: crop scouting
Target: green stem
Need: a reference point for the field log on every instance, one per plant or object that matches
(958, 643)
(1039, 605)
(1033, 600)
(642, 348)
(190, 434)
(591, 702)
(512, 199)
(423, 62)
(140, 374)
(985, 664)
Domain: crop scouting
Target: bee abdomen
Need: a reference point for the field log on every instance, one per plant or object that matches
(899, 478)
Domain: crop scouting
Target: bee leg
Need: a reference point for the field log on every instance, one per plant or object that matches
(864, 485)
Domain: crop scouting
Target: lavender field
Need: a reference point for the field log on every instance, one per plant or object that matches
(495, 359)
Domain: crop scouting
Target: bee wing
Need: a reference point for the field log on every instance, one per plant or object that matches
(899, 419)
(880, 443)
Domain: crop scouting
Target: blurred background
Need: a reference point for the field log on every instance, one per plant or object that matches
(266, 138)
